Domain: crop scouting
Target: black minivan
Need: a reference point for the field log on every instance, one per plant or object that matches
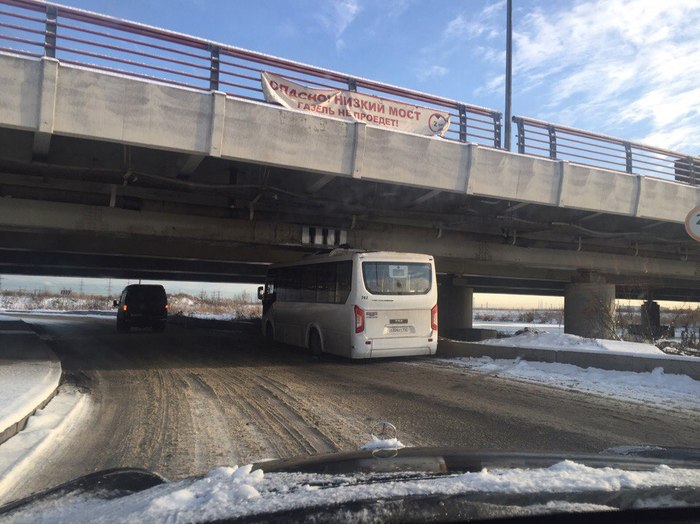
(142, 305)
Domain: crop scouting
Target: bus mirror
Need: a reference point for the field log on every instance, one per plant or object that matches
(115, 303)
(261, 292)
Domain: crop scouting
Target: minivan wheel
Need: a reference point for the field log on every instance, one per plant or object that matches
(122, 327)
(315, 344)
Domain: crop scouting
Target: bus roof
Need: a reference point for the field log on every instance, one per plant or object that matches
(350, 254)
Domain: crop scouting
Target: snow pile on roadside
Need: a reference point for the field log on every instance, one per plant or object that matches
(656, 388)
(240, 492)
(568, 342)
(24, 384)
(45, 428)
(509, 328)
(377, 443)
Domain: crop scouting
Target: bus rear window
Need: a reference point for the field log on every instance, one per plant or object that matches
(397, 278)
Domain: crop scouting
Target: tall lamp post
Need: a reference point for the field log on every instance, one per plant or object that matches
(509, 70)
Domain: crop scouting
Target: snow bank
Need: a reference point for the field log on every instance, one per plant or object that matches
(24, 384)
(656, 388)
(45, 428)
(240, 492)
(567, 342)
(512, 327)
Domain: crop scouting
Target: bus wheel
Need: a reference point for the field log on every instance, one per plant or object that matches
(315, 344)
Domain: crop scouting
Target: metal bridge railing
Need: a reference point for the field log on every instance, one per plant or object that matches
(36, 28)
(536, 137)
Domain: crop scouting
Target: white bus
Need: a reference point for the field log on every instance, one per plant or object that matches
(354, 304)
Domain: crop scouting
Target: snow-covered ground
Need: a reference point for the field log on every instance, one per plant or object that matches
(86, 305)
(251, 312)
(29, 375)
(677, 392)
(565, 342)
(45, 428)
(29, 372)
(509, 328)
(24, 384)
(63, 313)
(233, 492)
(53, 303)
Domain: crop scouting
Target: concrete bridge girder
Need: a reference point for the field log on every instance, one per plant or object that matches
(49, 97)
(54, 216)
(126, 132)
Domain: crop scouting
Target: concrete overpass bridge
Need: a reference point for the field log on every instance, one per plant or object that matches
(130, 151)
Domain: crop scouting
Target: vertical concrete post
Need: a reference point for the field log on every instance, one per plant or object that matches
(589, 307)
(47, 108)
(455, 307)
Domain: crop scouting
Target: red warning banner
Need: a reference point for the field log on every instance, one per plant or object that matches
(357, 107)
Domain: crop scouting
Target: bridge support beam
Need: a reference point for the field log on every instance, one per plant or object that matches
(589, 306)
(455, 308)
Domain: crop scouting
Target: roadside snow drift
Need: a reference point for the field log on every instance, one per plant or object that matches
(665, 391)
(565, 342)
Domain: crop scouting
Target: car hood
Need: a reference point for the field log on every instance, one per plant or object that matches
(461, 460)
(409, 484)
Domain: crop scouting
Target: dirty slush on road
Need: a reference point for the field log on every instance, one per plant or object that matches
(188, 400)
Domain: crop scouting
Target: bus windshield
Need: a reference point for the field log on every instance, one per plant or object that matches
(397, 278)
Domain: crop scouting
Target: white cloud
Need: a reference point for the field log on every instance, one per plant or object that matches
(434, 71)
(459, 32)
(617, 62)
(494, 86)
(458, 27)
(336, 17)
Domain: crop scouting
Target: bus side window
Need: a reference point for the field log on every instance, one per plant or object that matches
(343, 281)
(295, 284)
(288, 285)
(325, 283)
(308, 284)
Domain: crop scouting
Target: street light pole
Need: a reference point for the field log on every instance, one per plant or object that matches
(509, 71)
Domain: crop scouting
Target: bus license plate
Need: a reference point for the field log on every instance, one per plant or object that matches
(399, 329)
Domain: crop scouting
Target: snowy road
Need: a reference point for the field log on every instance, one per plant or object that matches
(186, 401)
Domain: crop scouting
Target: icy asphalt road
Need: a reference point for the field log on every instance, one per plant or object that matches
(188, 400)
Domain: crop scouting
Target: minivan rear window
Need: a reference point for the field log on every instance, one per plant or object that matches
(397, 278)
(146, 293)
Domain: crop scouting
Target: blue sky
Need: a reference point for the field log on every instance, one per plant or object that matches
(626, 68)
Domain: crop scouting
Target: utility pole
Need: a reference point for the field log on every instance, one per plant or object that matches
(509, 71)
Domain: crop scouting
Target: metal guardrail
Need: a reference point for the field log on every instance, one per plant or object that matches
(539, 138)
(36, 28)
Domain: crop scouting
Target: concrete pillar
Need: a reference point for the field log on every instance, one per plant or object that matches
(651, 319)
(455, 306)
(589, 307)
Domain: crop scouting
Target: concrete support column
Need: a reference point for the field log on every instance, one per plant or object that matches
(455, 306)
(589, 307)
